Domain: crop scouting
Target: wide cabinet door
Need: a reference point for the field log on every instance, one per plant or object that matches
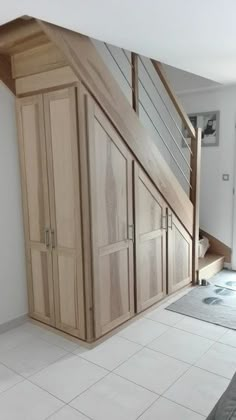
(179, 255)
(110, 173)
(36, 207)
(150, 235)
(62, 151)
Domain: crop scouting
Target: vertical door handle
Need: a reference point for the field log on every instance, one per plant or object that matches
(170, 218)
(131, 232)
(53, 238)
(46, 237)
(163, 222)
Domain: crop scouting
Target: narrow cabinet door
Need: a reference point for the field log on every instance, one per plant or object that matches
(36, 207)
(179, 254)
(63, 158)
(150, 234)
(110, 173)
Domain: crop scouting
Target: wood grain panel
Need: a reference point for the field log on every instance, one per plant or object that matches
(90, 69)
(179, 255)
(36, 207)
(150, 250)
(6, 73)
(62, 148)
(37, 60)
(110, 169)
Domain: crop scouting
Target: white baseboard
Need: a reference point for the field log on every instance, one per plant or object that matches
(16, 322)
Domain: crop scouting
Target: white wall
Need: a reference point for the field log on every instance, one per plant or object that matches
(216, 208)
(13, 292)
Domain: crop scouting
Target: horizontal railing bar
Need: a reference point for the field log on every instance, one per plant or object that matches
(172, 136)
(176, 162)
(118, 65)
(166, 107)
(178, 107)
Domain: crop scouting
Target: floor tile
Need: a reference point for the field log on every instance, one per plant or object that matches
(68, 377)
(67, 413)
(229, 338)
(143, 331)
(25, 401)
(26, 359)
(164, 409)
(165, 317)
(111, 353)
(8, 378)
(198, 390)
(152, 370)
(220, 359)
(50, 336)
(181, 345)
(13, 338)
(114, 398)
(204, 329)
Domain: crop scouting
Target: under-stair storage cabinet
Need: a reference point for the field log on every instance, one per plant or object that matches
(111, 193)
(51, 193)
(150, 242)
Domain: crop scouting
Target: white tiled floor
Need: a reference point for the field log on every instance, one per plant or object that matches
(163, 365)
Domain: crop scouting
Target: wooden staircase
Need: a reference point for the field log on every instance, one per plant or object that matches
(210, 265)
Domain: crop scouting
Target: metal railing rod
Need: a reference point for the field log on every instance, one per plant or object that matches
(166, 107)
(167, 147)
(163, 121)
(118, 65)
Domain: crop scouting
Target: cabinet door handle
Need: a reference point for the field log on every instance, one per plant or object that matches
(163, 222)
(53, 239)
(170, 217)
(46, 237)
(131, 232)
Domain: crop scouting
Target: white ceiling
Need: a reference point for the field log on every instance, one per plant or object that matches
(196, 36)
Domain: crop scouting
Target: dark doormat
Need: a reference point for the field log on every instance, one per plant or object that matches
(215, 303)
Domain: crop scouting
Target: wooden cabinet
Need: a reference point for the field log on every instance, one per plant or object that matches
(150, 241)
(101, 242)
(110, 174)
(179, 253)
(49, 160)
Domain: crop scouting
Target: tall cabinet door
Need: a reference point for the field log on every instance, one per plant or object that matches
(63, 158)
(110, 173)
(179, 255)
(150, 240)
(36, 207)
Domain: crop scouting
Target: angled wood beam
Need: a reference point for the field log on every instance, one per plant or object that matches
(6, 73)
(176, 102)
(89, 67)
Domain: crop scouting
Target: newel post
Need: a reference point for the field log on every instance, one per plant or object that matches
(195, 197)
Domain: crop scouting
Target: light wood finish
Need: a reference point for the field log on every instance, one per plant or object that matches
(150, 244)
(135, 94)
(110, 167)
(176, 102)
(37, 60)
(6, 74)
(46, 80)
(179, 253)
(217, 247)
(210, 265)
(61, 135)
(90, 69)
(20, 35)
(36, 207)
(195, 197)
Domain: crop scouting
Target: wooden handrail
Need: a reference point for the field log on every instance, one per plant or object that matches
(184, 117)
(195, 198)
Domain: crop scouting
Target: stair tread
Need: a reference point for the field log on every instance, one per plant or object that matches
(208, 260)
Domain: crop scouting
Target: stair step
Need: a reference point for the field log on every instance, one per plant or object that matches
(210, 265)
